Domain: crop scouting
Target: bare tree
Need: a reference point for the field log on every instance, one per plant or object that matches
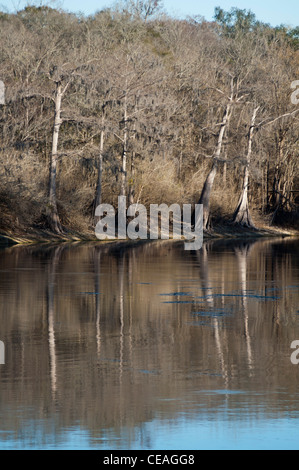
(141, 104)
(143, 9)
(242, 214)
(60, 90)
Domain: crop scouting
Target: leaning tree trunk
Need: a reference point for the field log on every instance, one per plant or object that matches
(208, 186)
(242, 214)
(54, 217)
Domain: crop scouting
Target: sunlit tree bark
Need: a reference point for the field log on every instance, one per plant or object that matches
(242, 214)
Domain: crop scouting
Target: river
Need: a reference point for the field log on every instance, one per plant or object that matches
(150, 346)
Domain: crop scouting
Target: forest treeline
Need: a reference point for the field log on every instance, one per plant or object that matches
(133, 102)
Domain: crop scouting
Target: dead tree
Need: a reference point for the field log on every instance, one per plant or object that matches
(60, 90)
(205, 196)
(242, 214)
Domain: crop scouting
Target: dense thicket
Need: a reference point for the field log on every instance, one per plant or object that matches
(130, 101)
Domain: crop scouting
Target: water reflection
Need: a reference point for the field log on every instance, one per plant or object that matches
(142, 346)
(242, 255)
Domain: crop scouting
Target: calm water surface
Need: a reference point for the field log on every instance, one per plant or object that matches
(150, 347)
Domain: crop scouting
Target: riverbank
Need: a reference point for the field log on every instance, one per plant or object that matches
(222, 229)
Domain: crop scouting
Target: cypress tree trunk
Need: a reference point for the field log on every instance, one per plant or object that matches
(131, 194)
(242, 214)
(205, 196)
(98, 197)
(54, 217)
(123, 191)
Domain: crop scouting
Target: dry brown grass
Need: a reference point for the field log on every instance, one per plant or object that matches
(24, 201)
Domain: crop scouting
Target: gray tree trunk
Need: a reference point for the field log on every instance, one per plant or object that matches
(98, 198)
(208, 186)
(131, 195)
(123, 191)
(54, 217)
(242, 214)
(131, 185)
(206, 195)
